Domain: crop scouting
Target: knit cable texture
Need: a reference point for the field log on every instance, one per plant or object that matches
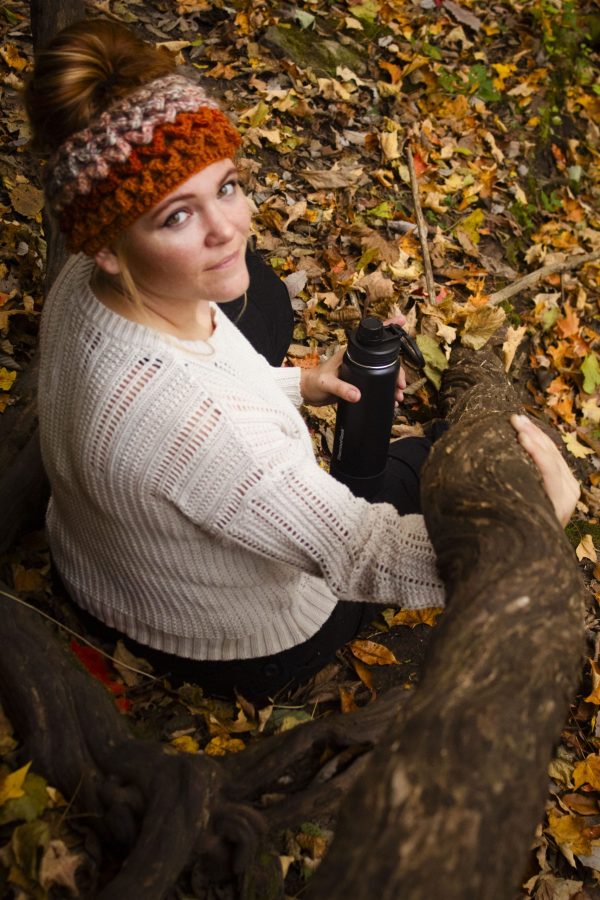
(107, 175)
(187, 508)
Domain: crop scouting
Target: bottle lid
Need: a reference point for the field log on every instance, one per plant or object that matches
(372, 344)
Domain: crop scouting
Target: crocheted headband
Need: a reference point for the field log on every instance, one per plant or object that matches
(135, 153)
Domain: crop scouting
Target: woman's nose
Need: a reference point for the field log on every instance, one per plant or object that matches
(219, 229)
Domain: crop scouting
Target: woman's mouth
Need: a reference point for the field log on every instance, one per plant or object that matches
(225, 262)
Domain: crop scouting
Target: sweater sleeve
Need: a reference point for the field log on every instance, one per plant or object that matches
(271, 497)
(288, 379)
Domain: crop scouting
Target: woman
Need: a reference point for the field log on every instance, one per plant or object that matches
(187, 508)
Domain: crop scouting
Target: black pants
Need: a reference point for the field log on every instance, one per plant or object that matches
(267, 322)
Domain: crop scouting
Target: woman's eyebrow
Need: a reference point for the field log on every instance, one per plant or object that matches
(189, 196)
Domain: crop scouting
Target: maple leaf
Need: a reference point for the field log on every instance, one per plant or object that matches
(11, 786)
(575, 447)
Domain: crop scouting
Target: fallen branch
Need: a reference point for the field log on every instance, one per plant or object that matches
(421, 227)
(533, 278)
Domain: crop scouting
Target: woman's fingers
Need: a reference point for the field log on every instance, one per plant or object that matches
(559, 483)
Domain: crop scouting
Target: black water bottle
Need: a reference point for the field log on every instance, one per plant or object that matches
(363, 429)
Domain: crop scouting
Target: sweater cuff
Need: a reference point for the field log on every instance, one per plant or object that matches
(288, 379)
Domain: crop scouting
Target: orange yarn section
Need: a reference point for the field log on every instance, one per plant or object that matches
(177, 151)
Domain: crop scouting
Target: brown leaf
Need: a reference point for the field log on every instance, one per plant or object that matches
(373, 654)
(582, 804)
(27, 200)
(59, 867)
(343, 176)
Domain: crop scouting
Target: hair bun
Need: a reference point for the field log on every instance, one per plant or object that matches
(85, 69)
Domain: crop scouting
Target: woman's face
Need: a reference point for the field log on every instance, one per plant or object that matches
(191, 246)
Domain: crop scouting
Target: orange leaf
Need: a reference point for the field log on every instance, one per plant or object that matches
(559, 158)
(569, 325)
(420, 164)
(347, 701)
(412, 617)
(373, 654)
(594, 696)
(395, 72)
(364, 674)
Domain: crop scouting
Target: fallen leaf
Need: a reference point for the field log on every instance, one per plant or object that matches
(347, 702)
(27, 200)
(125, 662)
(594, 697)
(59, 866)
(590, 369)
(514, 336)
(223, 744)
(575, 447)
(372, 654)
(412, 617)
(586, 549)
(332, 178)
(569, 830)
(588, 772)
(185, 743)
(7, 379)
(582, 804)
(480, 325)
(11, 786)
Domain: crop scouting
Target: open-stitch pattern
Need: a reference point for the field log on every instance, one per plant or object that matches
(192, 513)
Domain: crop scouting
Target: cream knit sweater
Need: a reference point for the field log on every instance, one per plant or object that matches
(187, 508)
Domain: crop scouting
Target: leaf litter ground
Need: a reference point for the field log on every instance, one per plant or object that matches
(499, 104)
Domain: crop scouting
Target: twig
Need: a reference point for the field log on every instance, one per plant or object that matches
(571, 262)
(421, 227)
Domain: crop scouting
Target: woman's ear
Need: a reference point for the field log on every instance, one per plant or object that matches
(107, 260)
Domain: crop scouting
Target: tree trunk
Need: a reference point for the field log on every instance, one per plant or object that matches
(48, 17)
(23, 485)
(453, 793)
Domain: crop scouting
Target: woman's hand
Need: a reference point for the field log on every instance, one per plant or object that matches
(323, 385)
(560, 484)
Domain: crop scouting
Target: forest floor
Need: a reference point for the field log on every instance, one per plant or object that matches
(499, 104)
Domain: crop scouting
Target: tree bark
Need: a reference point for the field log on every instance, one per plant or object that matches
(48, 17)
(452, 794)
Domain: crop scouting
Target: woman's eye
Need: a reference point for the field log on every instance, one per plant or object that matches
(228, 188)
(176, 218)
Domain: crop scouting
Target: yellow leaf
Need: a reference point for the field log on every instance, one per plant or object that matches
(11, 787)
(471, 224)
(373, 654)
(7, 379)
(185, 744)
(412, 617)
(574, 447)
(588, 772)
(586, 549)
(12, 57)
(569, 831)
(481, 325)
(222, 744)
